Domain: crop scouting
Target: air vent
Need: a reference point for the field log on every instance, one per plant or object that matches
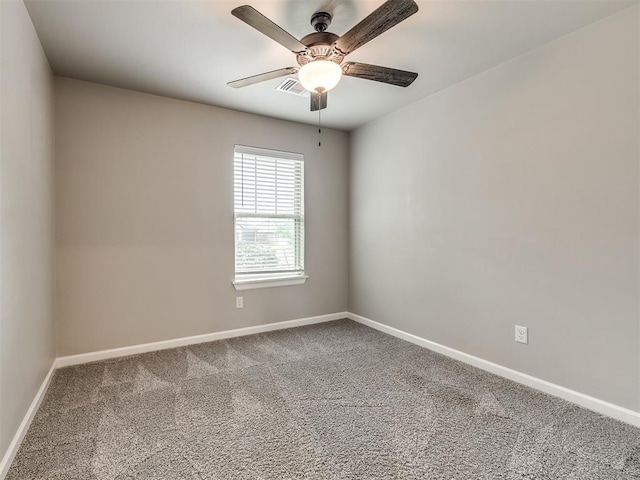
(293, 86)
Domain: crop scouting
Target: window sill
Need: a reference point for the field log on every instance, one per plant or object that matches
(269, 282)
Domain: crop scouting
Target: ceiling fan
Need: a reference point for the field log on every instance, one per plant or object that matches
(320, 54)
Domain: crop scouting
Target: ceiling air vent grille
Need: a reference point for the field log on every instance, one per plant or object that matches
(293, 86)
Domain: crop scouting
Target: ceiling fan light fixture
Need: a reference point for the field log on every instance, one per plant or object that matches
(320, 76)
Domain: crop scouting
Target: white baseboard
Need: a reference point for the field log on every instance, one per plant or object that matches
(586, 401)
(181, 342)
(600, 406)
(135, 349)
(24, 426)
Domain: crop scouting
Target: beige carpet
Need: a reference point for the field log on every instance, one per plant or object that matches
(331, 401)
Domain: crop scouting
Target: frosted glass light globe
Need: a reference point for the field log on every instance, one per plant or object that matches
(320, 76)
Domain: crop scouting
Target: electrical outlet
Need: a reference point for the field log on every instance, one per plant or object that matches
(239, 302)
(522, 334)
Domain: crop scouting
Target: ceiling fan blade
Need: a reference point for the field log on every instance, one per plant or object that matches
(243, 82)
(401, 78)
(318, 101)
(254, 18)
(379, 21)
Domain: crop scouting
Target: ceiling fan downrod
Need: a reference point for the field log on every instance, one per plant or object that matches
(320, 21)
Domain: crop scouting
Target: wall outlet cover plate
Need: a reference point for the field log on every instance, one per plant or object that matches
(522, 334)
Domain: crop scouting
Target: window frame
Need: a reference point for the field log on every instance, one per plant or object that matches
(266, 279)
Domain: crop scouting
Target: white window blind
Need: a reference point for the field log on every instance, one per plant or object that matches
(269, 211)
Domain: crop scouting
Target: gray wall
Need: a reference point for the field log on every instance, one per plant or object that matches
(512, 198)
(26, 217)
(144, 238)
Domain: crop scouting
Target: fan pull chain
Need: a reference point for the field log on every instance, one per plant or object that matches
(319, 129)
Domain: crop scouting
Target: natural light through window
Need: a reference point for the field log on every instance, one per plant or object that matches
(269, 217)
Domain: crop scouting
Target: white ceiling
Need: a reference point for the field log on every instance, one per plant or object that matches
(190, 49)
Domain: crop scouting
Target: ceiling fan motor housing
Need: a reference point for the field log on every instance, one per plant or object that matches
(320, 43)
(320, 47)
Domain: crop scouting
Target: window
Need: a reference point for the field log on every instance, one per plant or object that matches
(269, 218)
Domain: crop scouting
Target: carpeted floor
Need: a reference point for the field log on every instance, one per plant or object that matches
(331, 401)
